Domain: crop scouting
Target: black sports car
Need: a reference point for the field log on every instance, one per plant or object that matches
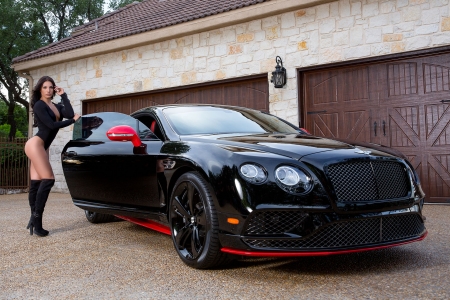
(226, 181)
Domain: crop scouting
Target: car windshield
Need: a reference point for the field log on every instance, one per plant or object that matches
(219, 120)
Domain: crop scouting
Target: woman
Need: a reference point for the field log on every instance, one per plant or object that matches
(48, 118)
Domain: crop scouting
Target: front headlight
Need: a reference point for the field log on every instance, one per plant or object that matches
(253, 173)
(293, 180)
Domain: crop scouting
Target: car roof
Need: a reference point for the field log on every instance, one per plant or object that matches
(160, 107)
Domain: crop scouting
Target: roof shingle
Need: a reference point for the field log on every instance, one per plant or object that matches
(137, 18)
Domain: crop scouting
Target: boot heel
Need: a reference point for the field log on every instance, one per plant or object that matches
(30, 224)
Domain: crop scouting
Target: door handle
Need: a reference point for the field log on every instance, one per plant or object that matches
(384, 128)
(375, 128)
(70, 153)
(445, 101)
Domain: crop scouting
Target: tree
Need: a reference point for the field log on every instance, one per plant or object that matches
(58, 18)
(20, 116)
(18, 36)
(30, 24)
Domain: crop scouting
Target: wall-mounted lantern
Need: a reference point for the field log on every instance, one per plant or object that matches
(279, 75)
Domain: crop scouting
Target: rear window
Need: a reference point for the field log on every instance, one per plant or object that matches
(94, 126)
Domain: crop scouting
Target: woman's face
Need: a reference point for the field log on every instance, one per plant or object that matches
(47, 90)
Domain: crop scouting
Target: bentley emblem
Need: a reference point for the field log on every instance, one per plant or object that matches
(359, 151)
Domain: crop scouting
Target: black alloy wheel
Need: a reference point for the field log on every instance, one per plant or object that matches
(194, 224)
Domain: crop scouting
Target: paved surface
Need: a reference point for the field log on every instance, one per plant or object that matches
(79, 260)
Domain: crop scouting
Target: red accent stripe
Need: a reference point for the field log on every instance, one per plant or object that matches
(148, 224)
(315, 253)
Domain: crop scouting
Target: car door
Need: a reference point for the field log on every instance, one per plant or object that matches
(112, 173)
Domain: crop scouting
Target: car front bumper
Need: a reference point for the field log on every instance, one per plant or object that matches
(297, 233)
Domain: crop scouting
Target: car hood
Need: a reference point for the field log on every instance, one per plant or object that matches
(295, 146)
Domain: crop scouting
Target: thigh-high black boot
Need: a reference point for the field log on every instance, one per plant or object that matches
(34, 186)
(41, 199)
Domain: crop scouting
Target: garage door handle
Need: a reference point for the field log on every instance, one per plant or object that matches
(445, 101)
(316, 112)
(384, 128)
(375, 128)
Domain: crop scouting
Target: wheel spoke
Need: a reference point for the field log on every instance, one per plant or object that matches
(196, 244)
(183, 236)
(190, 197)
(180, 208)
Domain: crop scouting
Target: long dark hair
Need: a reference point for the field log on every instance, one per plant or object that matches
(37, 93)
(37, 89)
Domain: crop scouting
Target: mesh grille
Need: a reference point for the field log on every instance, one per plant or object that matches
(350, 233)
(368, 180)
(274, 222)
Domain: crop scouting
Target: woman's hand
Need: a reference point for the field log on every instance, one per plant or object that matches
(76, 117)
(59, 90)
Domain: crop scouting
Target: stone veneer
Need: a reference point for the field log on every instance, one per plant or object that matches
(333, 32)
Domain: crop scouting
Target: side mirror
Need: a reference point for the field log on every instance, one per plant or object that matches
(124, 133)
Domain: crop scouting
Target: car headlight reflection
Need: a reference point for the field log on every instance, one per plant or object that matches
(253, 173)
(293, 180)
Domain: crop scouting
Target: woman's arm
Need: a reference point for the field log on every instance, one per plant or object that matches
(40, 110)
(66, 110)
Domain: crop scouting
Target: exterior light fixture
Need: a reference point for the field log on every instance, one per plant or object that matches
(279, 75)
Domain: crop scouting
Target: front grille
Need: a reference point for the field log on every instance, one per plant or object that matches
(368, 180)
(274, 222)
(350, 233)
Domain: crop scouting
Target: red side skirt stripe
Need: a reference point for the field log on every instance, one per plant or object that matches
(148, 224)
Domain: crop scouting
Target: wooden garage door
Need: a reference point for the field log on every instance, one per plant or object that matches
(403, 104)
(250, 92)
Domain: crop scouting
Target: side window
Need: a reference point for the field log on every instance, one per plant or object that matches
(151, 123)
(94, 126)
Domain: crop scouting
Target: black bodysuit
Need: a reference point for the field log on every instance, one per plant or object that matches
(46, 121)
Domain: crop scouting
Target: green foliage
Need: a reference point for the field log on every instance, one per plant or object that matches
(20, 115)
(56, 19)
(116, 4)
(18, 35)
(4, 131)
(31, 24)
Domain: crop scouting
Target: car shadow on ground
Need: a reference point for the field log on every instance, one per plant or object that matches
(409, 257)
(70, 227)
(378, 261)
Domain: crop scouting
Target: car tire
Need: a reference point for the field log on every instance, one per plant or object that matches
(95, 217)
(194, 224)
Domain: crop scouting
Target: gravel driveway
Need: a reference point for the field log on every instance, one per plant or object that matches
(79, 260)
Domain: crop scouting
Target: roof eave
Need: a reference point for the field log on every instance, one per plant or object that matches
(229, 18)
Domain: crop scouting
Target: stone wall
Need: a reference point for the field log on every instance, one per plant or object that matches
(333, 32)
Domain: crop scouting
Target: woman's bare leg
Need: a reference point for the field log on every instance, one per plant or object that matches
(40, 167)
(40, 171)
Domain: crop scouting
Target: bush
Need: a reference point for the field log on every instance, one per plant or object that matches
(4, 131)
